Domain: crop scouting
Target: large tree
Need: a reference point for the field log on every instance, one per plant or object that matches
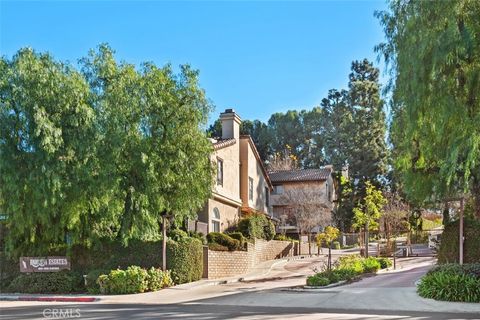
(108, 151)
(433, 52)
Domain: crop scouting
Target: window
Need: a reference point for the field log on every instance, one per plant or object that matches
(327, 189)
(219, 172)
(278, 189)
(216, 220)
(267, 197)
(250, 188)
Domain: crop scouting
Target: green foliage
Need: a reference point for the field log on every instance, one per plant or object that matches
(158, 279)
(328, 236)
(433, 52)
(449, 242)
(100, 152)
(92, 277)
(370, 210)
(217, 247)
(282, 237)
(336, 245)
(385, 263)
(257, 226)
(239, 236)
(224, 240)
(133, 280)
(47, 282)
(371, 264)
(318, 280)
(451, 283)
(198, 235)
(185, 260)
(177, 234)
(352, 262)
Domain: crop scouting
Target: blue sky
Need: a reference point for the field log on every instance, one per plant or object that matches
(257, 57)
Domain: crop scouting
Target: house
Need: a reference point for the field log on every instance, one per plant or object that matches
(241, 183)
(318, 182)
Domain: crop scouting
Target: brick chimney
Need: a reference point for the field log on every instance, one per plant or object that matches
(230, 124)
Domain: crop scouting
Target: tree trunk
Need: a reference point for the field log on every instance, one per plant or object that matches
(309, 244)
(366, 240)
(164, 242)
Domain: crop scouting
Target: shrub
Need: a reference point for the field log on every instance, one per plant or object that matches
(9, 270)
(239, 236)
(92, 277)
(450, 286)
(198, 235)
(177, 234)
(185, 260)
(158, 279)
(347, 274)
(371, 264)
(257, 226)
(217, 247)
(318, 280)
(224, 240)
(336, 245)
(132, 280)
(353, 262)
(472, 269)
(47, 282)
(384, 263)
(282, 237)
(448, 251)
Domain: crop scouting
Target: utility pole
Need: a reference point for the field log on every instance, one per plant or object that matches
(460, 258)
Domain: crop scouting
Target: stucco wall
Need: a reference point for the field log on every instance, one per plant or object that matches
(252, 168)
(220, 264)
(231, 171)
(229, 215)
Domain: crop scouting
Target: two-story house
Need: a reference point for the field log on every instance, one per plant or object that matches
(241, 183)
(318, 182)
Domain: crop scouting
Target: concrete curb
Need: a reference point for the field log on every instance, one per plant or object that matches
(48, 298)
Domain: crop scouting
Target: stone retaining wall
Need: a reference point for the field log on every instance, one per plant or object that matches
(221, 264)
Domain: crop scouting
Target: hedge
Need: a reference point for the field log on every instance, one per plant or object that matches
(449, 242)
(185, 260)
(257, 226)
(133, 280)
(224, 240)
(109, 255)
(47, 282)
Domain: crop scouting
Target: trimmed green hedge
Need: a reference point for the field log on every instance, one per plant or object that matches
(185, 260)
(257, 226)
(452, 282)
(133, 280)
(449, 242)
(47, 282)
(224, 240)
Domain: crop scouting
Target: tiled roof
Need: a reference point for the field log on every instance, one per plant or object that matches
(222, 143)
(300, 175)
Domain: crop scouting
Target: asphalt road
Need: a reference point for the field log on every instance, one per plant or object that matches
(385, 296)
(211, 312)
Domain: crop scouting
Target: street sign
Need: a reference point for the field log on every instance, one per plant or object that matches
(44, 264)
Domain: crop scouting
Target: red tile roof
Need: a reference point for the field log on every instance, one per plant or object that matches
(300, 175)
(222, 143)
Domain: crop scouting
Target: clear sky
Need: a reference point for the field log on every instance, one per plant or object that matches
(257, 57)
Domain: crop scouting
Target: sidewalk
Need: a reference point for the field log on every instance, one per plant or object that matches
(259, 271)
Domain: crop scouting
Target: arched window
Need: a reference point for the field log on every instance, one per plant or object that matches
(216, 220)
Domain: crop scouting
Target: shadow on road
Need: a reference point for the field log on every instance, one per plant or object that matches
(213, 312)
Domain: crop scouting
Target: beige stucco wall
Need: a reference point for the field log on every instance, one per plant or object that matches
(229, 214)
(251, 167)
(231, 172)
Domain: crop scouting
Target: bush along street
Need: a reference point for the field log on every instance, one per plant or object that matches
(452, 282)
(348, 268)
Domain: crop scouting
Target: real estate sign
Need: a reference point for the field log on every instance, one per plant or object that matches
(44, 264)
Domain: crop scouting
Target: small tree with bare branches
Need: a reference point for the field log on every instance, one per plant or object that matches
(310, 208)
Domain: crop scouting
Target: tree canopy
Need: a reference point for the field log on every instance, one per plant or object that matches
(433, 52)
(103, 151)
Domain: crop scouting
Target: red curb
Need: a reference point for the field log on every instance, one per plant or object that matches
(57, 299)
